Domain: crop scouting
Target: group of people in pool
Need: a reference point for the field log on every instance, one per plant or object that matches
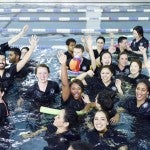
(98, 86)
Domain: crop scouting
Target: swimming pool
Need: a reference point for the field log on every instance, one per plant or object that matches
(53, 35)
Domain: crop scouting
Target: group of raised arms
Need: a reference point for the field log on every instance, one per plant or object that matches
(104, 86)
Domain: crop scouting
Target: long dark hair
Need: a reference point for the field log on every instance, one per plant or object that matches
(71, 117)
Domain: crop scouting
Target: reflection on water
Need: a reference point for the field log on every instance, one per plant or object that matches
(25, 122)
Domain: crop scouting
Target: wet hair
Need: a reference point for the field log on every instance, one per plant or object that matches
(16, 51)
(138, 62)
(139, 30)
(68, 41)
(42, 65)
(122, 53)
(100, 37)
(105, 99)
(121, 38)
(108, 67)
(80, 46)
(3, 53)
(146, 82)
(27, 48)
(78, 82)
(105, 52)
(71, 117)
(81, 145)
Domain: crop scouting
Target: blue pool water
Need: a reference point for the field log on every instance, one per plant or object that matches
(50, 44)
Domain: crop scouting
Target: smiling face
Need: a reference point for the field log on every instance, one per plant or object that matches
(106, 59)
(134, 68)
(123, 44)
(106, 75)
(71, 46)
(135, 34)
(13, 58)
(100, 121)
(76, 91)
(123, 60)
(77, 52)
(2, 62)
(141, 92)
(100, 44)
(59, 119)
(42, 74)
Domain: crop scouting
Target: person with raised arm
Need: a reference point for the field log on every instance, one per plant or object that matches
(6, 46)
(7, 74)
(72, 93)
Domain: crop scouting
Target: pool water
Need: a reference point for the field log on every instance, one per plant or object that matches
(49, 45)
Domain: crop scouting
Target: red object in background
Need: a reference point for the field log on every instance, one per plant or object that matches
(74, 64)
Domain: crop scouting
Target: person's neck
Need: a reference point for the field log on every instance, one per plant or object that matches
(99, 50)
(138, 38)
(134, 75)
(101, 133)
(139, 103)
(121, 67)
(1, 72)
(1, 100)
(43, 85)
(107, 83)
(71, 52)
(121, 49)
(61, 130)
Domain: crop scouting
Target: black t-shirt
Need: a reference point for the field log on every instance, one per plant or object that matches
(8, 77)
(121, 73)
(59, 141)
(69, 56)
(74, 104)
(3, 113)
(134, 81)
(39, 98)
(95, 85)
(131, 106)
(111, 140)
(142, 42)
(96, 54)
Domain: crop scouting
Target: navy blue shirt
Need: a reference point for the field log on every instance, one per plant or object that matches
(74, 104)
(8, 77)
(39, 98)
(61, 140)
(111, 140)
(95, 85)
(143, 111)
(142, 42)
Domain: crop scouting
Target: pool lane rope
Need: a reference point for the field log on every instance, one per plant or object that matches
(68, 19)
(73, 10)
(75, 31)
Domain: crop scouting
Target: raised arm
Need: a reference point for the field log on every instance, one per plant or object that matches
(91, 53)
(64, 76)
(145, 60)
(19, 35)
(84, 74)
(118, 86)
(33, 43)
(112, 48)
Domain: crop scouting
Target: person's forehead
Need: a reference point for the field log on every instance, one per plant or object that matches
(2, 57)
